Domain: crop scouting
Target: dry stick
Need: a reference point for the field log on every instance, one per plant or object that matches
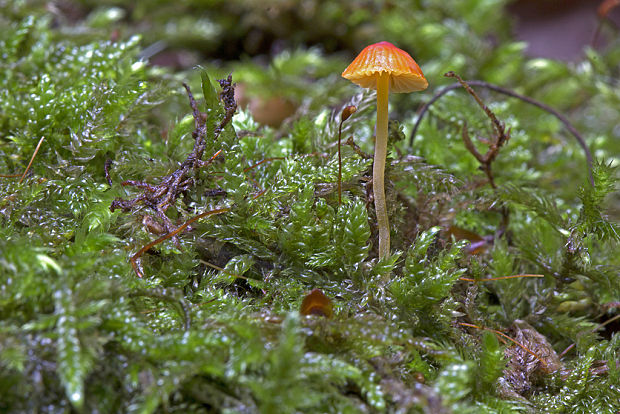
(510, 93)
(608, 321)
(501, 136)
(467, 279)
(346, 113)
(160, 197)
(36, 150)
(499, 127)
(356, 148)
(259, 194)
(173, 233)
(503, 335)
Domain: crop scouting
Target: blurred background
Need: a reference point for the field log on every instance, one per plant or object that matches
(471, 37)
(562, 29)
(233, 29)
(284, 53)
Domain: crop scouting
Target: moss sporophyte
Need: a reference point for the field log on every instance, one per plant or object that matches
(384, 67)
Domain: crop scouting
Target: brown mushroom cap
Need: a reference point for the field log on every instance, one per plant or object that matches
(405, 74)
(316, 303)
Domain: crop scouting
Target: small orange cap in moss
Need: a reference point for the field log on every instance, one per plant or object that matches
(405, 74)
(316, 303)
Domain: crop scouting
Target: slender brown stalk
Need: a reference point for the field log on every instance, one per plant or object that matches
(346, 113)
(36, 150)
(503, 335)
(135, 259)
(23, 175)
(608, 321)
(508, 92)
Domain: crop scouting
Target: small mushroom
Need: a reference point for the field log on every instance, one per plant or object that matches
(386, 68)
(316, 303)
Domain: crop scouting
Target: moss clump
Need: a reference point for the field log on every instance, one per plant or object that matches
(213, 324)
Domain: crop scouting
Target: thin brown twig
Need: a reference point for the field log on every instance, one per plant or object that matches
(163, 195)
(499, 126)
(136, 257)
(501, 135)
(34, 154)
(344, 115)
(36, 150)
(580, 140)
(259, 194)
(503, 335)
(356, 148)
(608, 321)
(567, 350)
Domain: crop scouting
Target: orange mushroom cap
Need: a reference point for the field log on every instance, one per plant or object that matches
(316, 303)
(405, 74)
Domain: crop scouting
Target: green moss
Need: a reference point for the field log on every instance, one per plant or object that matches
(213, 326)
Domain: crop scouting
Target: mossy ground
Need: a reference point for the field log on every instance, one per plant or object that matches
(214, 323)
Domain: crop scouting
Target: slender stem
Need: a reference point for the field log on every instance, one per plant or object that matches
(36, 150)
(339, 165)
(378, 168)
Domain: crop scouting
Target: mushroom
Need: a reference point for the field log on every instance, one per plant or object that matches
(316, 303)
(386, 68)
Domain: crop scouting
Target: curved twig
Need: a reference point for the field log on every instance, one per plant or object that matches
(503, 335)
(135, 259)
(508, 92)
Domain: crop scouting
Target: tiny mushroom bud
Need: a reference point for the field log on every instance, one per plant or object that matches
(346, 113)
(316, 303)
(386, 68)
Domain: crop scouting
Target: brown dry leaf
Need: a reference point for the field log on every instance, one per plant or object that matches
(477, 244)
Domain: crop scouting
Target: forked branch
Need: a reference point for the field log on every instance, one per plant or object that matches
(508, 92)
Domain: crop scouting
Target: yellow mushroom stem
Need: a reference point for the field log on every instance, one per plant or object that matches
(378, 168)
